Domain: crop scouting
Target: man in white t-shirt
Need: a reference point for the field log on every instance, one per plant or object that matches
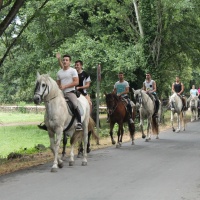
(149, 86)
(67, 79)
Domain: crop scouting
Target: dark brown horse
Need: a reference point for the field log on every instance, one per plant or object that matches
(118, 113)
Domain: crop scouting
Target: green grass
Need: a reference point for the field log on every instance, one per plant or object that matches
(21, 139)
(15, 117)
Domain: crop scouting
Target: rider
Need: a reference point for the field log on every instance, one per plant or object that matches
(149, 86)
(193, 92)
(199, 97)
(67, 79)
(121, 88)
(84, 79)
(178, 87)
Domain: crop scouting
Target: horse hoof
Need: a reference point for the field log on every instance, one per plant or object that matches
(54, 170)
(88, 150)
(84, 163)
(147, 140)
(173, 130)
(71, 163)
(60, 165)
(133, 143)
(157, 137)
(113, 142)
(144, 136)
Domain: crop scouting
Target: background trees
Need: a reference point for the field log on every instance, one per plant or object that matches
(106, 32)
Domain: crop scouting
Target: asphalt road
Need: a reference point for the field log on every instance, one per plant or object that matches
(164, 169)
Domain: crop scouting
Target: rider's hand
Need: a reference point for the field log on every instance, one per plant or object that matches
(58, 55)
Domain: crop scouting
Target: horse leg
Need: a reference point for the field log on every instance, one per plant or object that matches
(178, 123)
(111, 133)
(192, 114)
(196, 114)
(172, 121)
(132, 132)
(141, 127)
(64, 145)
(148, 129)
(119, 134)
(182, 117)
(85, 140)
(80, 150)
(88, 144)
(55, 144)
(71, 159)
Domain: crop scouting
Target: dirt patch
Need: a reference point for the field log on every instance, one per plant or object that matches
(9, 166)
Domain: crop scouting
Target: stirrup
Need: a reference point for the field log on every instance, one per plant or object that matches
(79, 127)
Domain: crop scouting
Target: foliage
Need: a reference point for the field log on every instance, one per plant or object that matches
(103, 32)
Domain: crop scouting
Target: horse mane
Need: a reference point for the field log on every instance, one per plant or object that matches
(110, 95)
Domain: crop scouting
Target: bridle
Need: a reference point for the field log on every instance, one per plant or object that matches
(112, 109)
(37, 87)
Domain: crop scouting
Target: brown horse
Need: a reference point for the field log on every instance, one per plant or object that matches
(118, 113)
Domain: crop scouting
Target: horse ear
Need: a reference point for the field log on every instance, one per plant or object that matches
(133, 90)
(38, 74)
(105, 93)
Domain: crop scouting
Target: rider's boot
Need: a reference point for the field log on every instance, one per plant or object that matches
(78, 117)
(129, 108)
(43, 127)
(157, 108)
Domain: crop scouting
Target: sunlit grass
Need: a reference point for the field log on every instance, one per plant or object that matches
(21, 138)
(15, 117)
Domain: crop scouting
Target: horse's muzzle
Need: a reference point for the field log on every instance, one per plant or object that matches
(37, 99)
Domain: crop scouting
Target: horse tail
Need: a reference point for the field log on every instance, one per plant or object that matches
(155, 125)
(78, 135)
(91, 128)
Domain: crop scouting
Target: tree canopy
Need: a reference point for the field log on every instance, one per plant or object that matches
(135, 36)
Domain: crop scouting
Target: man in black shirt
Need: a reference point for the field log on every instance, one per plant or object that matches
(84, 81)
(178, 87)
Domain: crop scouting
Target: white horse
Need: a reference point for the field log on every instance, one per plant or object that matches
(176, 105)
(146, 107)
(193, 107)
(58, 118)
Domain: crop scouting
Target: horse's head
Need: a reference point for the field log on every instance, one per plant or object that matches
(138, 97)
(193, 101)
(41, 88)
(175, 102)
(111, 101)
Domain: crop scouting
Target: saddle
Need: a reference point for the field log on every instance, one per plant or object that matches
(183, 102)
(70, 107)
(156, 102)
